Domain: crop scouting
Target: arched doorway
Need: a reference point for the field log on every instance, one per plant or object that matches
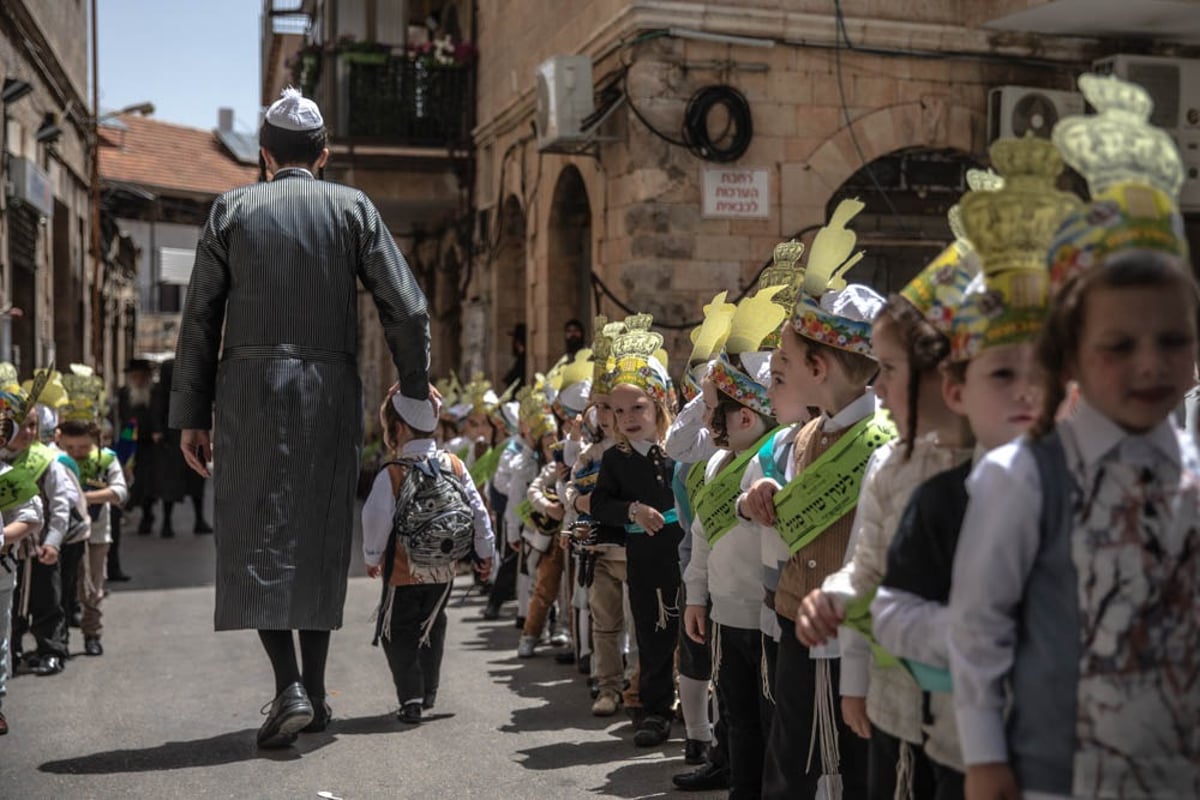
(570, 258)
(907, 194)
(508, 286)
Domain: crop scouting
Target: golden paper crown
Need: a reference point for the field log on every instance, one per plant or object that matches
(756, 319)
(830, 257)
(786, 272)
(633, 351)
(9, 382)
(1012, 227)
(451, 391)
(1118, 144)
(20, 400)
(602, 360)
(709, 336)
(476, 392)
(87, 395)
(978, 180)
(54, 394)
(532, 399)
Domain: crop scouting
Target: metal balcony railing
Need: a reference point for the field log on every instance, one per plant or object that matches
(398, 100)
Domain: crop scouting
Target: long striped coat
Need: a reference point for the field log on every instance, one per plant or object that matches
(276, 271)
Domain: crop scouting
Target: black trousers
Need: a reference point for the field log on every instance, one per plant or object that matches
(745, 710)
(657, 629)
(416, 668)
(71, 564)
(505, 587)
(45, 619)
(785, 772)
(884, 755)
(949, 783)
(114, 551)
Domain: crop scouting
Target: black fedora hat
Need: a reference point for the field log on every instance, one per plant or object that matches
(139, 365)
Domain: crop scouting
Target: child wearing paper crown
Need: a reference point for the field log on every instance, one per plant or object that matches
(910, 348)
(412, 615)
(989, 377)
(824, 360)
(1073, 626)
(22, 519)
(539, 430)
(726, 560)
(633, 490)
(542, 529)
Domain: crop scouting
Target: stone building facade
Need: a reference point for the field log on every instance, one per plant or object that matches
(45, 262)
(885, 101)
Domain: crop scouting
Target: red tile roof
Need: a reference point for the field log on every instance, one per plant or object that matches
(163, 156)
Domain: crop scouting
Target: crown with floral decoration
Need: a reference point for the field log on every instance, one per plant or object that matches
(733, 382)
(828, 310)
(1134, 173)
(16, 401)
(638, 353)
(87, 396)
(1010, 229)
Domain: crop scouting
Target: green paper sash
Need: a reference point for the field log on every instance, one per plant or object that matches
(694, 481)
(524, 512)
(716, 501)
(95, 467)
(858, 618)
(484, 468)
(20, 484)
(828, 488)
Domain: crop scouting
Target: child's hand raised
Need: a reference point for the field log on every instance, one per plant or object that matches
(758, 502)
(820, 615)
(374, 571)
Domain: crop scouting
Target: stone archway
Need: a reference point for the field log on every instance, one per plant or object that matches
(568, 285)
(509, 281)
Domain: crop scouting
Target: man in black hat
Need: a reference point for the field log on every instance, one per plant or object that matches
(134, 413)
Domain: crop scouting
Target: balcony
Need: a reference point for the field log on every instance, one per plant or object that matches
(398, 100)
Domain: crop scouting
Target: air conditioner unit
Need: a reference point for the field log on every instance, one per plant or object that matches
(564, 99)
(1019, 110)
(1174, 85)
(30, 185)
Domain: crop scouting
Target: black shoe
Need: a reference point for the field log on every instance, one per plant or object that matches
(92, 646)
(289, 713)
(695, 752)
(593, 688)
(491, 612)
(322, 714)
(520, 625)
(120, 577)
(430, 701)
(410, 713)
(565, 657)
(585, 665)
(48, 665)
(653, 731)
(202, 526)
(636, 715)
(708, 778)
(76, 619)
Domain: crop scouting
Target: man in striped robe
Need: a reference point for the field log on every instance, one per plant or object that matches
(267, 360)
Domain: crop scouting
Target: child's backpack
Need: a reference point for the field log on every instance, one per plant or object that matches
(433, 521)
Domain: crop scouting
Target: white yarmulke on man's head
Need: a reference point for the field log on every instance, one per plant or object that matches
(417, 414)
(295, 112)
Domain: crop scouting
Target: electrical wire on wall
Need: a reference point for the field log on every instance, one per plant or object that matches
(729, 144)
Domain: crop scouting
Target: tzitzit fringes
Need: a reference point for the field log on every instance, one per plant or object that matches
(716, 654)
(765, 672)
(665, 612)
(386, 610)
(26, 583)
(431, 620)
(905, 772)
(825, 728)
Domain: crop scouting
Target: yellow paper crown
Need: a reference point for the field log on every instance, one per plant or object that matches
(20, 400)
(1011, 228)
(633, 351)
(532, 399)
(8, 378)
(756, 319)
(1118, 144)
(451, 391)
(54, 395)
(578, 370)
(603, 364)
(86, 394)
(477, 391)
(830, 257)
(709, 336)
(978, 180)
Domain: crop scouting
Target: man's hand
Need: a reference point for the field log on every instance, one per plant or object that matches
(197, 450)
(47, 554)
(695, 623)
(483, 568)
(991, 782)
(854, 712)
(758, 502)
(820, 615)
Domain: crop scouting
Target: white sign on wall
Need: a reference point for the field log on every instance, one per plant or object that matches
(735, 193)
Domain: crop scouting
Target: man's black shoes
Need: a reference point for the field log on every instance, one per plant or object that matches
(707, 778)
(289, 714)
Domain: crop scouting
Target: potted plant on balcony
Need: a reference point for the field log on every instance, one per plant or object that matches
(355, 52)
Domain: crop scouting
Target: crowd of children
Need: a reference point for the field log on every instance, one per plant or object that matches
(58, 486)
(941, 544)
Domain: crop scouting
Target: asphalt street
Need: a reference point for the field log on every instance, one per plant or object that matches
(170, 710)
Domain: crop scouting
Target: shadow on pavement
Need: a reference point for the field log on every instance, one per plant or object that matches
(631, 780)
(225, 748)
